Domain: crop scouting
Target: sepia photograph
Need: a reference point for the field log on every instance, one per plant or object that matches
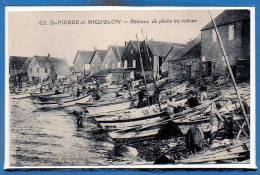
(125, 87)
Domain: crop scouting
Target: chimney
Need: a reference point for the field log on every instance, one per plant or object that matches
(49, 55)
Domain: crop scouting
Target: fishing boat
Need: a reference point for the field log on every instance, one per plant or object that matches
(20, 95)
(102, 109)
(62, 103)
(137, 133)
(108, 88)
(53, 97)
(38, 94)
(132, 122)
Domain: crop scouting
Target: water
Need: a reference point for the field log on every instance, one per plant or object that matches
(52, 138)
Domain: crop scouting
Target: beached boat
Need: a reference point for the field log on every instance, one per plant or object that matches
(132, 122)
(38, 94)
(53, 97)
(62, 103)
(102, 109)
(20, 95)
(138, 133)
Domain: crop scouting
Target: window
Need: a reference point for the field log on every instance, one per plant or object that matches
(119, 64)
(38, 70)
(203, 58)
(231, 32)
(125, 63)
(214, 35)
(46, 70)
(134, 63)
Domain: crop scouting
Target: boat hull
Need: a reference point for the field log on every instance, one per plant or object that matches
(56, 105)
(103, 109)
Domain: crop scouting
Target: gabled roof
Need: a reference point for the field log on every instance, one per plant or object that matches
(101, 54)
(227, 17)
(162, 49)
(191, 50)
(59, 65)
(118, 51)
(16, 63)
(84, 56)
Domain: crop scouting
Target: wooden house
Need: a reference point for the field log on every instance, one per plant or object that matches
(234, 29)
(185, 63)
(157, 53)
(81, 63)
(44, 68)
(112, 58)
(18, 69)
(97, 61)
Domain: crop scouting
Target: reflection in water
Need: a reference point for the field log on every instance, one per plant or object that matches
(52, 138)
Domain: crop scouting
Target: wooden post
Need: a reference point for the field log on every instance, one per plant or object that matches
(230, 72)
(142, 66)
(150, 67)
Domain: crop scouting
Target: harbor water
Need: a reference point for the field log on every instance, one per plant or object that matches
(52, 138)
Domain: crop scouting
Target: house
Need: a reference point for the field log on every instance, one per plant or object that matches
(234, 29)
(43, 68)
(112, 59)
(185, 63)
(157, 53)
(18, 69)
(81, 63)
(97, 61)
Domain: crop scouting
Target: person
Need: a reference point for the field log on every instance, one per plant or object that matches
(193, 100)
(141, 98)
(78, 92)
(215, 119)
(79, 118)
(203, 92)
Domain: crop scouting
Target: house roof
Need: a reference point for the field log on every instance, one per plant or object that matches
(16, 63)
(118, 51)
(228, 16)
(191, 50)
(84, 56)
(59, 65)
(159, 48)
(101, 54)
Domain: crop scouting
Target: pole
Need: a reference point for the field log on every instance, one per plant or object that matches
(150, 67)
(230, 72)
(142, 66)
(128, 87)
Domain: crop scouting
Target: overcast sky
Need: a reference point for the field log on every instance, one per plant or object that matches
(27, 38)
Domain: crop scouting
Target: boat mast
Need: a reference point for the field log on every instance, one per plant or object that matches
(231, 74)
(142, 66)
(124, 73)
(150, 67)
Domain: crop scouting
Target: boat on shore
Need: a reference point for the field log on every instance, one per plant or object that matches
(20, 95)
(62, 103)
(103, 109)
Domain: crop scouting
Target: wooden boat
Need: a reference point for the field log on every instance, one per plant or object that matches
(129, 114)
(106, 89)
(236, 150)
(202, 121)
(53, 97)
(134, 122)
(139, 133)
(20, 95)
(36, 95)
(102, 109)
(61, 103)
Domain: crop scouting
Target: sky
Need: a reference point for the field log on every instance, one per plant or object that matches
(35, 32)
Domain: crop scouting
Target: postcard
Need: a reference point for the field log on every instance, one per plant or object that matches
(130, 87)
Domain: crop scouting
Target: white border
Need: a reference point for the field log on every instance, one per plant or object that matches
(251, 165)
